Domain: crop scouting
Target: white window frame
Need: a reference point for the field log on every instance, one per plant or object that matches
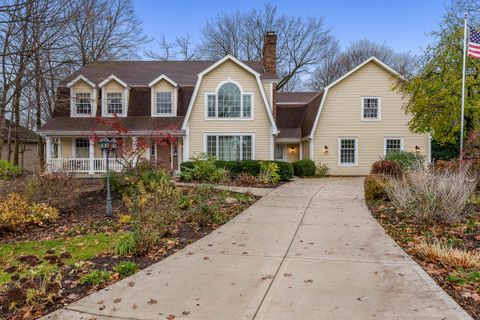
(235, 134)
(172, 99)
(174, 93)
(339, 145)
(284, 155)
(125, 96)
(73, 98)
(242, 93)
(392, 138)
(74, 147)
(362, 105)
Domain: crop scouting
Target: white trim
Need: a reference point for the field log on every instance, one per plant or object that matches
(291, 103)
(232, 134)
(213, 66)
(339, 142)
(91, 156)
(284, 155)
(73, 103)
(153, 102)
(300, 151)
(392, 138)
(74, 146)
(311, 149)
(271, 95)
(125, 96)
(272, 144)
(322, 103)
(186, 144)
(66, 133)
(110, 78)
(242, 93)
(78, 78)
(379, 110)
(162, 77)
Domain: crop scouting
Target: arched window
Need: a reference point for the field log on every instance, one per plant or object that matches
(229, 102)
(229, 99)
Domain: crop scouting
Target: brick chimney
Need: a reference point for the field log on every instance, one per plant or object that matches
(269, 53)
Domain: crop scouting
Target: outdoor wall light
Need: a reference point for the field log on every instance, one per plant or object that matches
(292, 149)
(417, 149)
(107, 145)
(325, 149)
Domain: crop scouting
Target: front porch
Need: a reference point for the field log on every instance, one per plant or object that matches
(82, 155)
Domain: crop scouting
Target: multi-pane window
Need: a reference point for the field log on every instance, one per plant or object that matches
(229, 103)
(280, 152)
(114, 102)
(83, 103)
(211, 106)
(393, 145)
(348, 151)
(230, 148)
(164, 103)
(371, 108)
(82, 147)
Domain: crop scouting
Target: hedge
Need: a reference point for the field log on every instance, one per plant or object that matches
(248, 166)
(304, 168)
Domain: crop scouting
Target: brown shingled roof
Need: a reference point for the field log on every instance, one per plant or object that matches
(141, 73)
(295, 121)
(295, 97)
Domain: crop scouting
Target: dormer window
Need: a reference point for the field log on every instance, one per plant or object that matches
(371, 109)
(229, 102)
(114, 97)
(163, 102)
(83, 103)
(114, 103)
(83, 97)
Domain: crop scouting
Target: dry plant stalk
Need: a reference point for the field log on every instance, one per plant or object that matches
(447, 255)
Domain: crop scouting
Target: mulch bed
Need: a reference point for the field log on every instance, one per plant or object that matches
(87, 217)
(407, 232)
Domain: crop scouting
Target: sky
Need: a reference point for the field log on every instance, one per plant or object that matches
(402, 24)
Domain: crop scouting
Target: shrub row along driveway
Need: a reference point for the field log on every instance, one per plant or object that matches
(308, 250)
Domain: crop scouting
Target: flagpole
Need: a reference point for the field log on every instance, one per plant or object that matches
(463, 87)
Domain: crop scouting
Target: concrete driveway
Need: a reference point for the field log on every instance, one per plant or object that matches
(308, 250)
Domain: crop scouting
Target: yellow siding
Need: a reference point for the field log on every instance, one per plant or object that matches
(113, 86)
(260, 125)
(266, 88)
(163, 85)
(341, 117)
(82, 86)
(292, 156)
(306, 150)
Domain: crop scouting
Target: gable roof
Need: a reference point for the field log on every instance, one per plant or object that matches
(257, 75)
(373, 59)
(141, 73)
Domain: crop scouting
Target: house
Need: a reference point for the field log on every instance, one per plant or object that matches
(28, 146)
(229, 109)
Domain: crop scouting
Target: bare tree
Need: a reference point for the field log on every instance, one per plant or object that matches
(339, 63)
(302, 43)
(104, 30)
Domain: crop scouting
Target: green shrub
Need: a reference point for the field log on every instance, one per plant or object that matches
(386, 167)
(374, 186)
(95, 278)
(285, 170)
(118, 182)
(149, 174)
(269, 172)
(406, 160)
(204, 169)
(304, 168)
(41, 213)
(126, 268)
(322, 170)
(250, 166)
(234, 167)
(126, 245)
(8, 170)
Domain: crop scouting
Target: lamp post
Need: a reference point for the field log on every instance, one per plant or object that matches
(106, 145)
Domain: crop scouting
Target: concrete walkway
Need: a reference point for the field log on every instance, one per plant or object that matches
(308, 250)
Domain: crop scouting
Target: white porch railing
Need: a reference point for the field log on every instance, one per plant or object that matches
(83, 165)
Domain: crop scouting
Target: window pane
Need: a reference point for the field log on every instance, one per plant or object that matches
(347, 151)
(82, 103)
(212, 146)
(246, 147)
(370, 108)
(114, 102)
(164, 102)
(393, 145)
(280, 151)
(211, 106)
(82, 147)
(229, 148)
(247, 105)
(229, 101)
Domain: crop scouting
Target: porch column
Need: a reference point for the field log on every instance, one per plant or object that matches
(179, 152)
(300, 151)
(149, 150)
(134, 149)
(48, 155)
(171, 155)
(91, 154)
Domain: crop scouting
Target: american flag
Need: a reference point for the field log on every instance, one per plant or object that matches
(474, 43)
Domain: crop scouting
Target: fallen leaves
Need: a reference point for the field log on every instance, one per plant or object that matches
(152, 301)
